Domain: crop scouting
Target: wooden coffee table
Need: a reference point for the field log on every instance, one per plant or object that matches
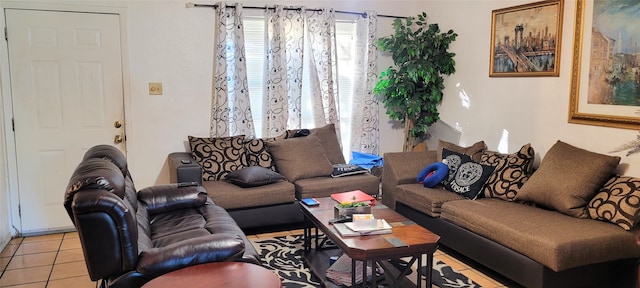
(407, 239)
(218, 274)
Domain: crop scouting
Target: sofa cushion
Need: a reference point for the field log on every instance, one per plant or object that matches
(253, 176)
(230, 196)
(300, 157)
(218, 156)
(512, 171)
(469, 178)
(474, 151)
(553, 239)
(617, 202)
(257, 154)
(567, 179)
(325, 186)
(330, 143)
(425, 200)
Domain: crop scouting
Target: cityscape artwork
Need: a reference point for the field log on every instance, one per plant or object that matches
(525, 40)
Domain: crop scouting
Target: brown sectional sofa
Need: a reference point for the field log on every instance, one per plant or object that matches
(305, 161)
(534, 245)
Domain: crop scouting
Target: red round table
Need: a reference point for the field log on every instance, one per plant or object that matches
(218, 274)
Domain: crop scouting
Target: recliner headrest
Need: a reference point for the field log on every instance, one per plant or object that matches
(96, 173)
(110, 153)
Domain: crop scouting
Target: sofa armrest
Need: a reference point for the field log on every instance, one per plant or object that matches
(402, 168)
(163, 198)
(204, 249)
(182, 168)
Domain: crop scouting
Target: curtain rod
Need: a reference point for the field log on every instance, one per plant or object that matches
(363, 14)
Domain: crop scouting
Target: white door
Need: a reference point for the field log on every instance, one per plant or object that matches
(67, 92)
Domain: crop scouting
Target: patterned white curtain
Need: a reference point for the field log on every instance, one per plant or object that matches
(321, 30)
(283, 70)
(364, 125)
(231, 110)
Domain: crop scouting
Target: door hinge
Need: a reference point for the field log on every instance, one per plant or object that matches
(13, 125)
(6, 34)
(19, 211)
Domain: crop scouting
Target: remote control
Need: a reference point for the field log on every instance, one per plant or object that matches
(187, 184)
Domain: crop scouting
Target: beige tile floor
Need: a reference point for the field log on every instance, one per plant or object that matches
(56, 260)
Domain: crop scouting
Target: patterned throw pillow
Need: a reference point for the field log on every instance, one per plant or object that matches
(453, 161)
(218, 156)
(511, 172)
(617, 202)
(469, 177)
(258, 155)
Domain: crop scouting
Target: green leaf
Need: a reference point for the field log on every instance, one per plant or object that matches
(412, 89)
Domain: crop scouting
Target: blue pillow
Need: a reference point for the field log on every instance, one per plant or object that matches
(440, 171)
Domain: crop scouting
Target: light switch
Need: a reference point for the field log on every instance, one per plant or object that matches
(155, 88)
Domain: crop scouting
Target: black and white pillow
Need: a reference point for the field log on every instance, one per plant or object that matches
(341, 170)
(453, 160)
(469, 177)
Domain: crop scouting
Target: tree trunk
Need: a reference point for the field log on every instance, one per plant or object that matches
(408, 139)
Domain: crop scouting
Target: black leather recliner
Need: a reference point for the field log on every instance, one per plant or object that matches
(129, 237)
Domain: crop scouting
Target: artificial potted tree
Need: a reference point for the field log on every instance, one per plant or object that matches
(412, 90)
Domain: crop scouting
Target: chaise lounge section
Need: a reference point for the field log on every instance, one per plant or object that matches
(530, 243)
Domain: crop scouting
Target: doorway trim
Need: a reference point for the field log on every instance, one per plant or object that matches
(10, 153)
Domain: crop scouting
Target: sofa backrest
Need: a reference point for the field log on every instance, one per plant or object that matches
(102, 204)
(220, 156)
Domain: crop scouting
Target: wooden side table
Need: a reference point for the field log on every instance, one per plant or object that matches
(218, 274)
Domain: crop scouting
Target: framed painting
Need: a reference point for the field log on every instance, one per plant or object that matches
(525, 40)
(605, 70)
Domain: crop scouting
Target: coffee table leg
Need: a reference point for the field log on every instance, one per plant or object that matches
(419, 280)
(353, 272)
(374, 280)
(306, 235)
(364, 274)
(316, 237)
(429, 269)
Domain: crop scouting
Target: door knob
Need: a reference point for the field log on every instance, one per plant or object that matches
(118, 139)
(117, 124)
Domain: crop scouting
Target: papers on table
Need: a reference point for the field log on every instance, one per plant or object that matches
(348, 229)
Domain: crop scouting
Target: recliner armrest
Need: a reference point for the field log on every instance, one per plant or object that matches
(168, 197)
(182, 168)
(210, 248)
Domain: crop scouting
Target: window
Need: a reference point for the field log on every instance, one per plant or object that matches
(255, 54)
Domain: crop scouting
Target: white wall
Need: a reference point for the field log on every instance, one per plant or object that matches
(174, 45)
(165, 42)
(532, 109)
(171, 44)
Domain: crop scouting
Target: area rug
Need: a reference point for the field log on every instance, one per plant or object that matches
(283, 254)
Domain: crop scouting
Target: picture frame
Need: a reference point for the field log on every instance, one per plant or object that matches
(526, 40)
(599, 67)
